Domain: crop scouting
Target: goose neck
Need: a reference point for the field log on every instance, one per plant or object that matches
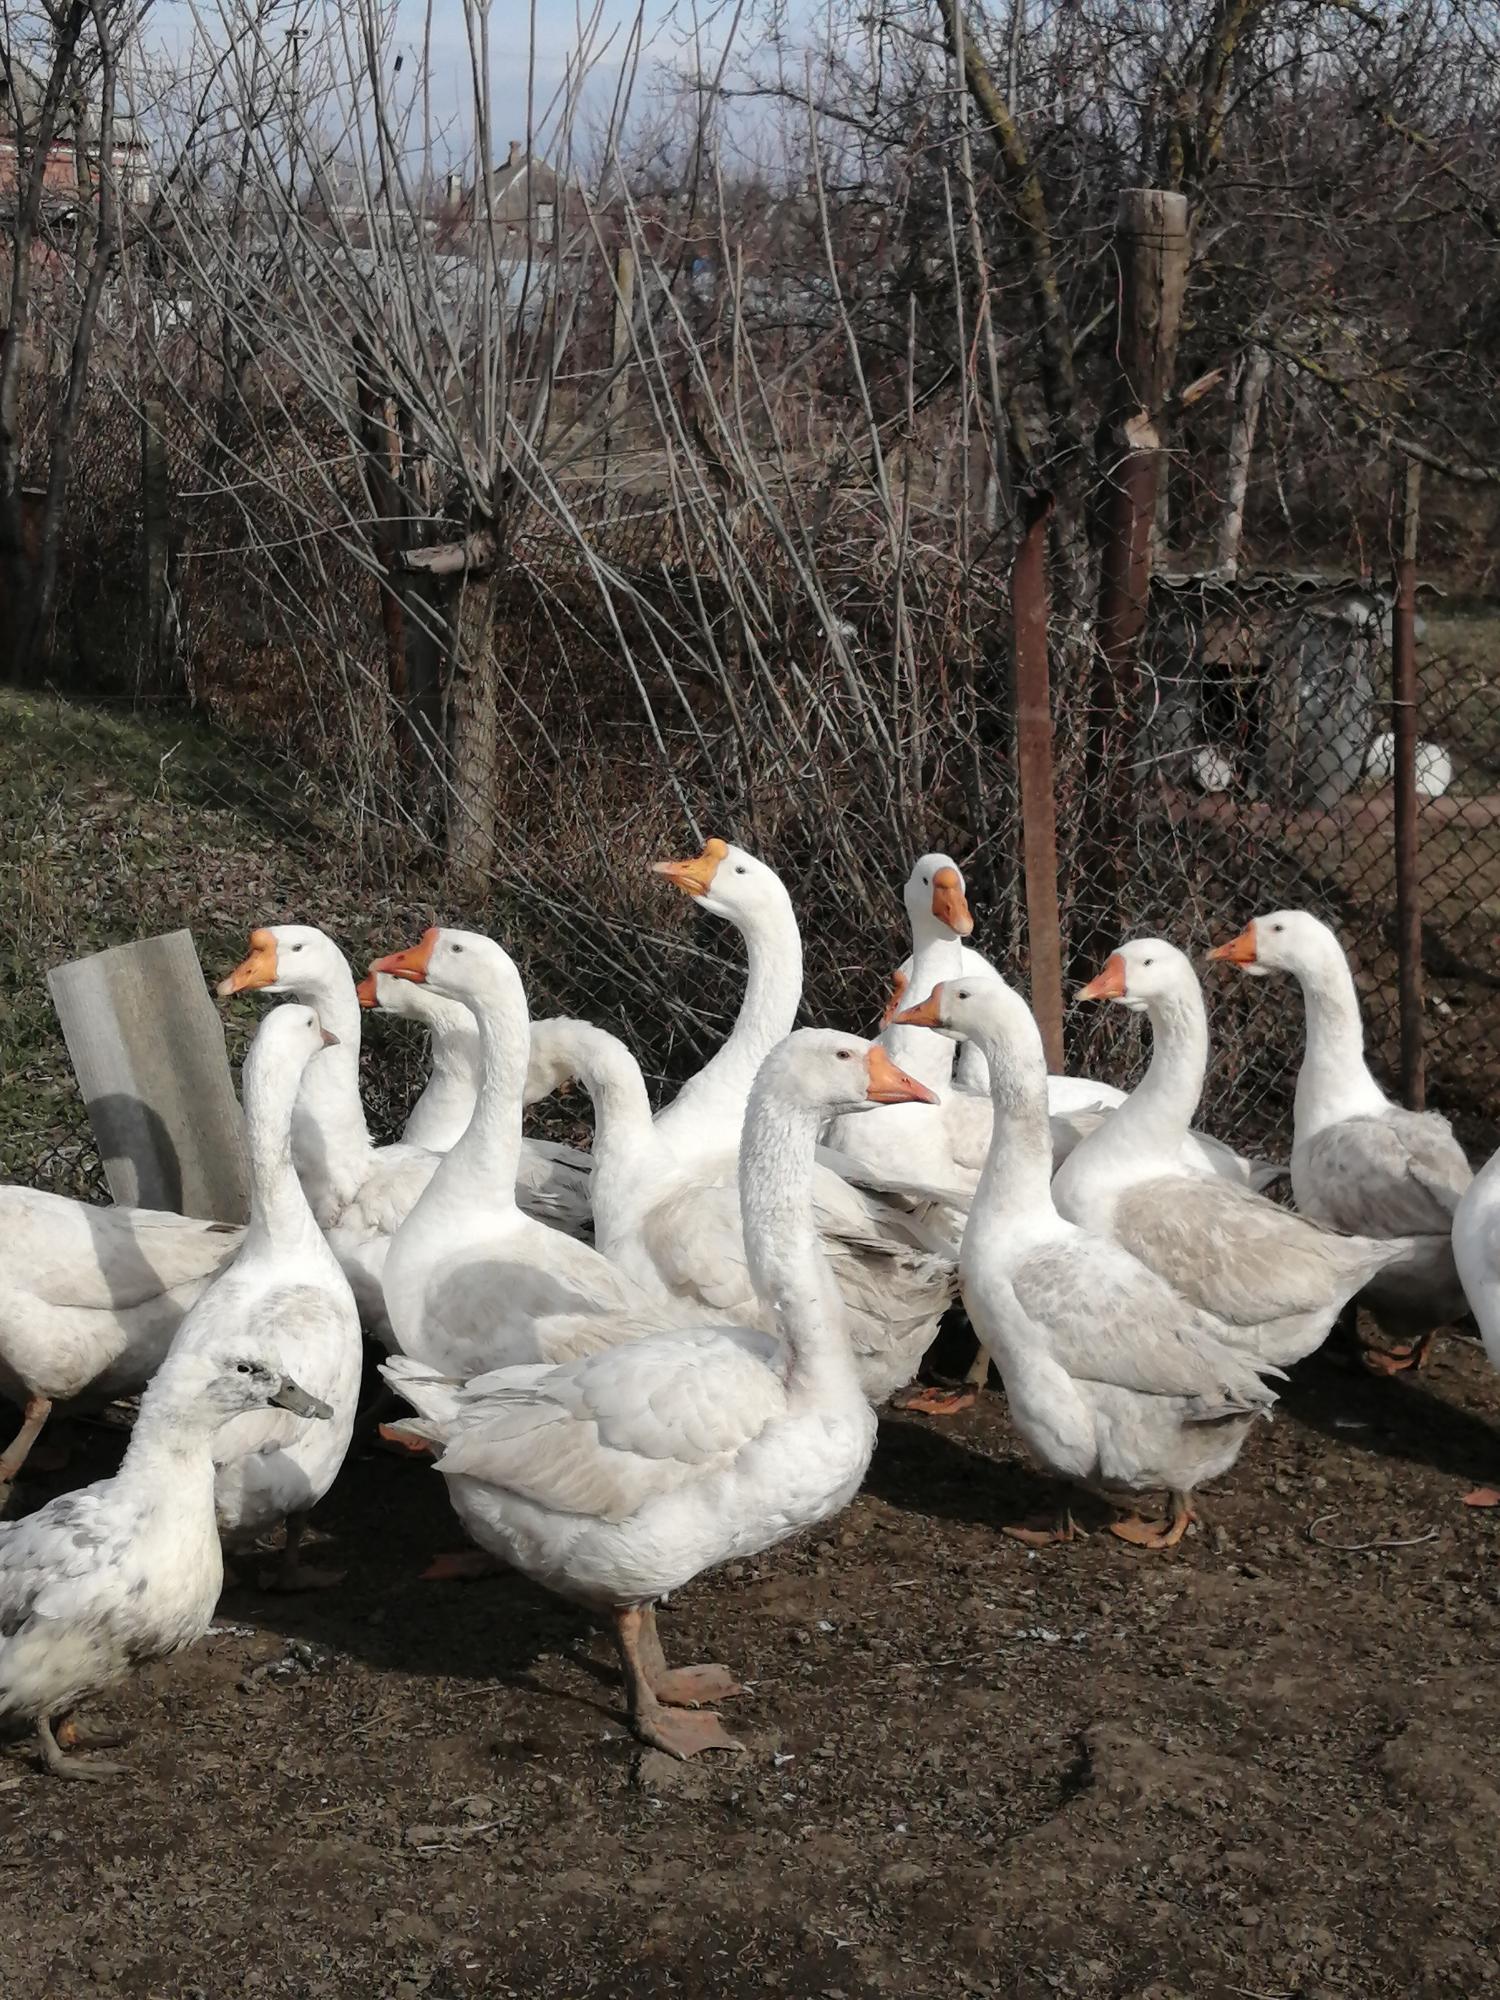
(1334, 1081)
(626, 1149)
(936, 955)
(482, 1165)
(786, 1264)
(280, 1215)
(1160, 1109)
(330, 1140)
(1017, 1178)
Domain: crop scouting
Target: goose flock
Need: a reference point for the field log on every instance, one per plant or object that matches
(632, 1364)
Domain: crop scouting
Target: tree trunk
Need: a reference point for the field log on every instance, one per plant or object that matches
(473, 726)
(1252, 387)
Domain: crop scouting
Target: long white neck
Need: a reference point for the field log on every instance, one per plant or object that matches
(480, 1170)
(1153, 1121)
(330, 1139)
(1334, 1081)
(441, 1114)
(281, 1219)
(627, 1154)
(781, 1247)
(709, 1110)
(936, 955)
(1016, 1184)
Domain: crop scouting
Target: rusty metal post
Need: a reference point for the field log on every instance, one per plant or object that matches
(1404, 725)
(1151, 238)
(1032, 693)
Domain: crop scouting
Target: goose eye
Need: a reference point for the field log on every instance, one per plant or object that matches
(242, 1368)
(1148, 961)
(844, 1055)
(296, 947)
(458, 947)
(739, 868)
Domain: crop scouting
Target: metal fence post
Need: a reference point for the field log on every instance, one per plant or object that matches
(1404, 726)
(1033, 706)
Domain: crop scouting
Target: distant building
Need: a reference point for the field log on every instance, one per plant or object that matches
(524, 200)
(20, 113)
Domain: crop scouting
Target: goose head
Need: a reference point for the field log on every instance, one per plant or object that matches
(821, 1070)
(286, 1041)
(214, 1384)
(464, 966)
(287, 958)
(729, 882)
(414, 1001)
(1291, 941)
(935, 899)
(982, 1008)
(1144, 970)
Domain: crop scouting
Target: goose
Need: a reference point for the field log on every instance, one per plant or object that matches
(616, 1479)
(471, 1281)
(129, 1569)
(442, 1112)
(272, 1468)
(360, 1192)
(727, 881)
(1276, 1280)
(678, 1233)
(1114, 1379)
(90, 1298)
(553, 1179)
(1359, 1162)
(1476, 1252)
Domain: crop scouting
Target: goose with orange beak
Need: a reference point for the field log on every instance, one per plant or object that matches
(1117, 1382)
(1276, 1281)
(617, 1478)
(680, 1232)
(1361, 1163)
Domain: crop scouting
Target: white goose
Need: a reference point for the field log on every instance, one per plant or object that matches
(286, 1283)
(617, 1479)
(471, 1281)
(1113, 1378)
(678, 1232)
(360, 1192)
(90, 1298)
(1359, 1162)
(553, 1179)
(1277, 1280)
(128, 1570)
(442, 1112)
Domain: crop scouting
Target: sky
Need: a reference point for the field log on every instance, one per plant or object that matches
(561, 29)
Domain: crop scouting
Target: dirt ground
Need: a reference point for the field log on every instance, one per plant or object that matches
(1259, 1766)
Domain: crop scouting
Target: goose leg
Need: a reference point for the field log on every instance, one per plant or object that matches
(681, 1687)
(1482, 1496)
(678, 1731)
(62, 1766)
(1157, 1535)
(935, 1401)
(1398, 1360)
(290, 1573)
(1043, 1534)
(36, 1413)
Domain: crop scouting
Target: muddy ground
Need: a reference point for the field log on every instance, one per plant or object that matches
(1257, 1766)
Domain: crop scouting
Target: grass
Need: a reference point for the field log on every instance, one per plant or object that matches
(116, 825)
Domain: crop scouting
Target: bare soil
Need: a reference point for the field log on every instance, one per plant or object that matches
(1259, 1766)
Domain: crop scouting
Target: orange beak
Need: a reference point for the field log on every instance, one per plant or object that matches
(411, 964)
(366, 991)
(257, 970)
(948, 904)
(1110, 984)
(889, 1085)
(927, 1013)
(695, 878)
(1238, 951)
(899, 984)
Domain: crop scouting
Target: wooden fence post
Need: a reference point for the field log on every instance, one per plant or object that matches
(1033, 705)
(1404, 726)
(147, 1045)
(1152, 247)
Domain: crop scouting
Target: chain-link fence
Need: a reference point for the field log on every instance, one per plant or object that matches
(838, 702)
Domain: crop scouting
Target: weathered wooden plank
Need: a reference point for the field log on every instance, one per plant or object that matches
(147, 1046)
